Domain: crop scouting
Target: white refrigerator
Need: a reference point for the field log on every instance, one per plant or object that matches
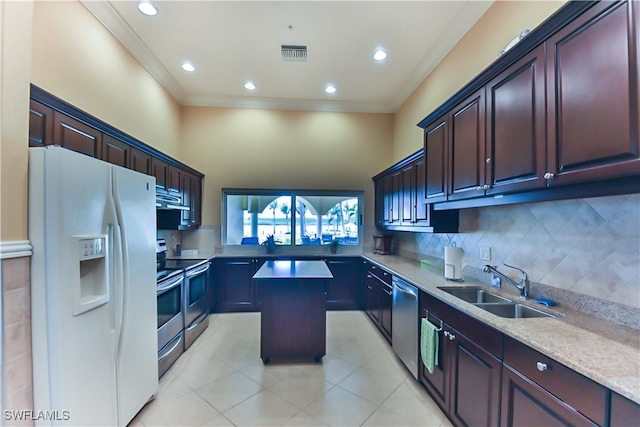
(93, 289)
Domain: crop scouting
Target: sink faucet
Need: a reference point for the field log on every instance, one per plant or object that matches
(522, 284)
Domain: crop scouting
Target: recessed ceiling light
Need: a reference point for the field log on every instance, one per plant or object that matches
(147, 8)
(249, 86)
(330, 89)
(380, 55)
(188, 66)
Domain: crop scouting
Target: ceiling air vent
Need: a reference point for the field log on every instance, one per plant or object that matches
(293, 53)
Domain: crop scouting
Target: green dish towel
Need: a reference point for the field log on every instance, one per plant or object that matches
(429, 345)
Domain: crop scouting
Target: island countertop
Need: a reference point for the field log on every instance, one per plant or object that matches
(287, 269)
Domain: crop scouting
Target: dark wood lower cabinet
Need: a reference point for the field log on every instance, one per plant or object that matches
(466, 381)
(475, 382)
(236, 290)
(623, 412)
(524, 403)
(379, 299)
(344, 291)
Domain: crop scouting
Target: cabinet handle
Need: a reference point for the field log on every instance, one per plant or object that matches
(486, 187)
(549, 175)
(488, 160)
(541, 366)
(446, 333)
(452, 337)
(479, 188)
(368, 276)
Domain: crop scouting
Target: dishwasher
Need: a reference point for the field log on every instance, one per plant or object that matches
(404, 324)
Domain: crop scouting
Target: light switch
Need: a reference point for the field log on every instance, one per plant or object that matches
(485, 253)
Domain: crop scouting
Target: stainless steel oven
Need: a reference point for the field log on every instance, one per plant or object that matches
(170, 294)
(196, 301)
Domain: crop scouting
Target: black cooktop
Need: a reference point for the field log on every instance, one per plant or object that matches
(186, 264)
(167, 273)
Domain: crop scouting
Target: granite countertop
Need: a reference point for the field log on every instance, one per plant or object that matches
(294, 270)
(607, 353)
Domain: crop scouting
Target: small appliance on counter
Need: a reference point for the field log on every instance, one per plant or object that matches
(453, 263)
(382, 244)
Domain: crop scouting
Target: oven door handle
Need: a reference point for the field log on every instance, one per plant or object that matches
(201, 270)
(166, 353)
(172, 284)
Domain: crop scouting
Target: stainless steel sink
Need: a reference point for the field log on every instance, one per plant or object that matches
(475, 295)
(513, 310)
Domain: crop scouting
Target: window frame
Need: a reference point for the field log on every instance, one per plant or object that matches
(356, 194)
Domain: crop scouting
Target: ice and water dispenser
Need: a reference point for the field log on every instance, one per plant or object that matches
(91, 290)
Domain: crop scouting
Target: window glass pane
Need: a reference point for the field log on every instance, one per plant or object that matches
(321, 219)
(251, 218)
(304, 218)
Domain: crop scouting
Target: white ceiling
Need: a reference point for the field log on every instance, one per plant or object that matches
(231, 42)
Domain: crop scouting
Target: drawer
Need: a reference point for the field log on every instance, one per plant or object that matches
(380, 273)
(483, 335)
(576, 390)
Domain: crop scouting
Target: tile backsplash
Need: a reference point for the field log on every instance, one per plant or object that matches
(586, 246)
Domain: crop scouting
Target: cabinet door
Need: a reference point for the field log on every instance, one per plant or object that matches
(140, 161)
(592, 92)
(74, 135)
(373, 298)
(116, 152)
(515, 157)
(341, 290)
(174, 180)
(160, 169)
(421, 209)
(435, 152)
(467, 148)
(386, 303)
(437, 383)
(235, 285)
(396, 197)
(407, 198)
(187, 198)
(379, 201)
(387, 203)
(196, 201)
(525, 403)
(40, 125)
(475, 382)
(623, 412)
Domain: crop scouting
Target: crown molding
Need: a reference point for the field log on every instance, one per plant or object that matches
(113, 22)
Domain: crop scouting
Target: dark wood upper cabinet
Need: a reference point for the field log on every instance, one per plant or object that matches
(75, 135)
(140, 161)
(187, 198)
(396, 197)
(435, 150)
(467, 148)
(515, 148)
(174, 179)
(160, 169)
(421, 209)
(592, 96)
(407, 195)
(196, 201)
(40, 125)
(115, 151)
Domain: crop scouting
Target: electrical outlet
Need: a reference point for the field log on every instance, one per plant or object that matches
(485, 253)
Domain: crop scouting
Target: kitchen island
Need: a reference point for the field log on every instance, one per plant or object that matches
(293, 312)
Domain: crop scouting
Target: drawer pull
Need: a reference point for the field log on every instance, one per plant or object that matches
(541, 366)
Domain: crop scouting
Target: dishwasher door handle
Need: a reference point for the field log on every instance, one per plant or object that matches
(403, 290)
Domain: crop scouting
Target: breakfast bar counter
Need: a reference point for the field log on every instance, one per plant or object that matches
(293, 311)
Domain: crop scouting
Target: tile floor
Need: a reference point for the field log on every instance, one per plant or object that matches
(221, 381)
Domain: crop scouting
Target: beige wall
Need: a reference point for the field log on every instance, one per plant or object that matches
(75, 58)
(238, 148)
(15, 30)
(475, 51)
